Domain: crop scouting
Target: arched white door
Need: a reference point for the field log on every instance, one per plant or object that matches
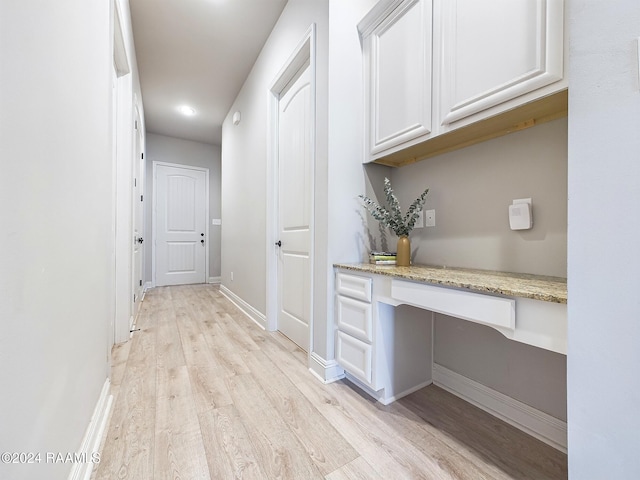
(295, 155)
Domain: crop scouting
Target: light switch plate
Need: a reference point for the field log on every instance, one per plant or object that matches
(216, 221)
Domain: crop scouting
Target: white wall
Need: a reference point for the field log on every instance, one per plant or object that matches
(56, 200)
(604, 233)
(345, 179)
(244, 153)
(161, 148)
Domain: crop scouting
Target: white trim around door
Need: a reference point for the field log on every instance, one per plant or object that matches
(303, 53)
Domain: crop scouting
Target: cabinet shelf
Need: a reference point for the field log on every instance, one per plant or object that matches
(525, 116)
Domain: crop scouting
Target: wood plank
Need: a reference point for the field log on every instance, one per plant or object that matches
(393, 420)
(119, 357)
(484, 437)
(357, 469)
(322, 442)
(179, 448)
(227, 445)
(382, 452)
(224, 350)
(286, 360)
(168, 345)
(280, 455)
(129, 445)
(157, 308)
(209, 387)
(236, 333)
(195, 348)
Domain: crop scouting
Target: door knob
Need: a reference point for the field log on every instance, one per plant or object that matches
(140, 239)
(202, 241)
(278, 243)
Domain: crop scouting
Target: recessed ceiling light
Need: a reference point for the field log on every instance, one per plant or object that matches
(187, 110)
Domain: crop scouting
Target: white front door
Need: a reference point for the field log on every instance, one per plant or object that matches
(138, 220)
(181, 225)
(294, 208)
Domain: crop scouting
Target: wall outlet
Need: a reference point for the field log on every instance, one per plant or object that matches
(430, 218)
(216, 221)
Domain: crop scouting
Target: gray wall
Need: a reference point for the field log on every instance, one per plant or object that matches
(604, 238)
(161, 148)
(470, 189)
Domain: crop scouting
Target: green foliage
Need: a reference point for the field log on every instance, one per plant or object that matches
(392, 217)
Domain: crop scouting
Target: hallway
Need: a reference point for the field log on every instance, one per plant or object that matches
(201, 392)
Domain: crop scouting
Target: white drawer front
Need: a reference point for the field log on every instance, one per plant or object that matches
(354, 286)
(354, 356)
(354, 318)
(474, 307)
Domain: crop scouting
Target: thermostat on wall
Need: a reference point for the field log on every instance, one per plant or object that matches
(520, 217)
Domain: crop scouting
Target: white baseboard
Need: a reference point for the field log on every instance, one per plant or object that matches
(148, 285)
(90, 446)
(528, 419)
(327, 371)
(215, 280)
(259, 318)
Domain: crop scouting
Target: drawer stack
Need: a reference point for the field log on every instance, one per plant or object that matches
(354, 319)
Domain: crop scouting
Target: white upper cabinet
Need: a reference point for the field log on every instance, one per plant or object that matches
(496, 51)
(397, 43)
(444, 74)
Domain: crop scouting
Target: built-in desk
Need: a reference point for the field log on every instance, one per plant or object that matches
(391, 358)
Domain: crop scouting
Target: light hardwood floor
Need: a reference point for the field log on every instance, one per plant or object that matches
(201, 392)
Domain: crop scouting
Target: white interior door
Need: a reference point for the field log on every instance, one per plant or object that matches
(181, 221)
(138, 220)
(294, 208)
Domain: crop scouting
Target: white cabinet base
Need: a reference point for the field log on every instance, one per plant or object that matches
(403, 350)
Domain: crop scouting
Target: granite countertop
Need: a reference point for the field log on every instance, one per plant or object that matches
(537, 287)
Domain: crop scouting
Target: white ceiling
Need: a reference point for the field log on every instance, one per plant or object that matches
(197, 53)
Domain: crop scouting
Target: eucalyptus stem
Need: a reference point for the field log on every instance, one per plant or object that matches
(391, 216)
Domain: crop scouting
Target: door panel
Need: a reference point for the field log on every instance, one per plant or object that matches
(181, 226)
(294, 208)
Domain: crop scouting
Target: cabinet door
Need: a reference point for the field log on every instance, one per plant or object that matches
(398, 69)
(494, 51)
